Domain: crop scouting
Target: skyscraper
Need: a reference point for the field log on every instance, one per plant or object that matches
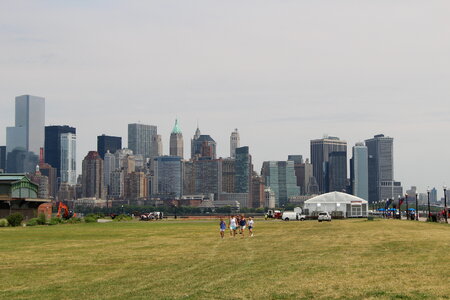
(337, 171)
(176, 141)
(360, 171)
(320, 154)
(109, 166)
(142, 139)
(228, 175)
(92, 176)
(3, 158)
(243, 167)
(168, 176)
(28, 133)
(304, 174)
(235, 142)
(159, 145)
(53, 145)
(381, 169)
(105, 143)
(208, 177)
(68, 158)
(280, 177)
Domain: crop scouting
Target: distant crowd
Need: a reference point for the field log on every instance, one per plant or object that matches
(237, 225)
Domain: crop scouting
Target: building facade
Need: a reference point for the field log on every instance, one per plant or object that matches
(320, 154)
(108, 143)
(168, 176)
(142, 139)
(176, 141)
(68, 158)
(235, 142)
(92, 176)
(337, 172)
(280, 177)
(360, 171)
(53, 145)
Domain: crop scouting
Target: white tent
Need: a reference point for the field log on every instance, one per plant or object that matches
(349, 205)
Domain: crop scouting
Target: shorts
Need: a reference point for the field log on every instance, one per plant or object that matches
(243, 227)
(222, 230)
(233, 227)
(250, 227)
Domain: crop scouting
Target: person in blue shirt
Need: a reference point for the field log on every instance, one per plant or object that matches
(242, 223)
(223, 226)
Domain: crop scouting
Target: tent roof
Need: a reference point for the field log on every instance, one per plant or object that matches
(335, 197)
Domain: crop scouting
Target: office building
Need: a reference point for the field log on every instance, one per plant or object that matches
(360, 171)
(135, 186)
(203, 146)
(297, 159)
(280, 177)
(159, 145)
(27, 136)
(108, 143)
(243, 167)
(228, 175)
(208, 177)
(52, 151)
(304, 175)
(235, 142)
(188, 178)
(381, 169)
(3, 158)
(68, 158)
(320, 154)
(21, 161)
(92, 176)
(109, 165)
(168, 177)
(142, 139)
(176, 141)
(257, 198)
(337, 171)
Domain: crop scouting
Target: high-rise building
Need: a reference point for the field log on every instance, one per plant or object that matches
(168, 175)
(360, 171)
(228, 175)
(142, 139)
(68, 158)
(176, 141)
(188, 178)
(47, 170)
(305, 177)
(21, 161)
(105, 143)
(235, 142)
(320, 154)
(280, 177)
(257, 198)
(53, 145)
(109, 165)
(159, 145)
(243, 167)
(135, 186)
(203, 146)
(92, 176)
(337, 171)
(208, 177)
(3, 158)
(381, 169)
(27, 135)
(297, 159)
(433, 196)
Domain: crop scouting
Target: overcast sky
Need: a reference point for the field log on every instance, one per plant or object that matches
(283, 72)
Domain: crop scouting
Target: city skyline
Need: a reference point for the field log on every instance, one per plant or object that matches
(285, 84)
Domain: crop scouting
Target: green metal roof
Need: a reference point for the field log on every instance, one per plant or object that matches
(176, 129)
(12, 177)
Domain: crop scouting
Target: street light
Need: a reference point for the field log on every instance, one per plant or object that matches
(445, 204)
(429, 212)
(407, 207)
(417, 207)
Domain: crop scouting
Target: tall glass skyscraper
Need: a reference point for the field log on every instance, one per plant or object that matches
(280, 177)
(169, 176)
(142, 139)
(68, 158)
(242, 170)
(360, 171)
(105, 143)
(53, 145)
(28, 132)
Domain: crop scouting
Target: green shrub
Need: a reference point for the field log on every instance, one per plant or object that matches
(15, 219)
(73, 221)
(121, 218)
(3, 223)
(33, 222)
(90, 219)
(54, 221)
(41, 219)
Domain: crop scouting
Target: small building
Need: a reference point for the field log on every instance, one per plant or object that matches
(337, 204)
(19, 194)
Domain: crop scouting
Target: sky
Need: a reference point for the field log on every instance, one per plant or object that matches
(282, 72)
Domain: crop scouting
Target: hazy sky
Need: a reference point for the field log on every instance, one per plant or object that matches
(283, 72)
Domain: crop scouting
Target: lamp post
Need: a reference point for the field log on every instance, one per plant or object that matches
(400, 208)
(429, 212)
(445, 204)
(407, 207)
(417, 207)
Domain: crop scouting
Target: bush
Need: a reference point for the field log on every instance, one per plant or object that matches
(3, 223)
(54, 221)
(33, 222)
(90, 219)
(41, 219)
(15, 219)
(73, 221)
(121, 218)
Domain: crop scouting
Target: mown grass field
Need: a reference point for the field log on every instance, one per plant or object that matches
(351, 259)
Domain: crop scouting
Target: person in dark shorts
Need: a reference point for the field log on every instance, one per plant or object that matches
(223, 226)
(242, 224)
(250, 226)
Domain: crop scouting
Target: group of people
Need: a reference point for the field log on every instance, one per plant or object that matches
(237, 224)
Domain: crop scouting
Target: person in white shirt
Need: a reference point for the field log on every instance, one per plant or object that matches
(233, 226)
(250, 226)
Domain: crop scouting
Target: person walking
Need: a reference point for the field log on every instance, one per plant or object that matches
(250, 226)
(242, 223)
(223, 226)
(233, 225)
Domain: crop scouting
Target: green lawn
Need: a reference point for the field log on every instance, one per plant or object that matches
(351, 259)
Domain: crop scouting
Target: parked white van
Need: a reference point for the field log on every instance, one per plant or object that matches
(292, 215)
